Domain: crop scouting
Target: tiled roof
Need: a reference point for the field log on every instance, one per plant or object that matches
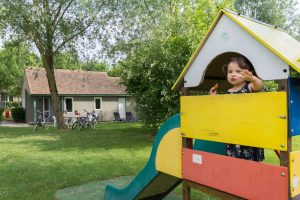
(74, 82)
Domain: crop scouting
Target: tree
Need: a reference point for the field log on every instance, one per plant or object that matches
(14, 57)
(93, 65)
(53, 26)
(157, 55)
(149, 75)
(115, 70)
(67, 60)
(276, 12)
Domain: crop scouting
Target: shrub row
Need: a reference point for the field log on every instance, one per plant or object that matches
(18, 114)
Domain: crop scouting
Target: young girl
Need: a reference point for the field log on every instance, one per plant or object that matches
(242, 77)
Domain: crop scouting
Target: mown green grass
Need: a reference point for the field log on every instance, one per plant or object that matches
(33, 165)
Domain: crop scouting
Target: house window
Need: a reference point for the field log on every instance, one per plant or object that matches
(97, 103)
(69, 104)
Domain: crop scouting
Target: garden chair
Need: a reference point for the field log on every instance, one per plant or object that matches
(117, 117)
(129, 117)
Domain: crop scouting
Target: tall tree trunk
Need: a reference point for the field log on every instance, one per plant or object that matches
(56, 104)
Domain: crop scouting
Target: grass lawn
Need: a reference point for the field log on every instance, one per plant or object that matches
(33, 165)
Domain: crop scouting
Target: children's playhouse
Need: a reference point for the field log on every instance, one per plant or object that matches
(189, 147)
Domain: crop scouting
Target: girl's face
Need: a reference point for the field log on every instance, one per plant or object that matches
(234, 75)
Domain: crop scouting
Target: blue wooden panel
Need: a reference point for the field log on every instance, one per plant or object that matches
(294, 106)
(209, 146)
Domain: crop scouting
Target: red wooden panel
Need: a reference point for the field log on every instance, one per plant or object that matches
(247, 179)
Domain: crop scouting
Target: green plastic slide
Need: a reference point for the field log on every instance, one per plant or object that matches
(149, 183)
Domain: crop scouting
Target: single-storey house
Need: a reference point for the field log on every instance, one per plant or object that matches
(78, 90)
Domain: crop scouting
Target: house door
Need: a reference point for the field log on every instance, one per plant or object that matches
(121, 107)
(46, 108)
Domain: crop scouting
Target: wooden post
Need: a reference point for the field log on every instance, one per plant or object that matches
(186, 143)
(284, 155)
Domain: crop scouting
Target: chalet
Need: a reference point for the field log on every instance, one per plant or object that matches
(78, 90)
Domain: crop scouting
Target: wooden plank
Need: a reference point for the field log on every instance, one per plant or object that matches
(168, 156)
(295, 173)
(294, 106)
(243, 178)
(283, 85)
(232, 119)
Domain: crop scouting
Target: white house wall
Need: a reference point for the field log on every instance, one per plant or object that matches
(109, 105)
(23, 95)
(130, 106)
(227, 36)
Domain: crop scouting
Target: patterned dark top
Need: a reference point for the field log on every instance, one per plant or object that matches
(240, 151)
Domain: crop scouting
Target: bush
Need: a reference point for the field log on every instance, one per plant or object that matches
(12, 104)
(1, 113)
(18, 114)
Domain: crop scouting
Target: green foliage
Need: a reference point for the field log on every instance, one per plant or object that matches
(68, 60)
(71, 61)
(94, 66)
(14, 57)
(275, 12)
(55, 26)
(149, 74)
(197, 17)
(1, 114)
(270, 86)
(294, 73)
(115, 71)
(18, 114)
(12, 104)
(157, 55)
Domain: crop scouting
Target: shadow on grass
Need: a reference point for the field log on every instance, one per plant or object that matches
(39, 178)
(104, 137)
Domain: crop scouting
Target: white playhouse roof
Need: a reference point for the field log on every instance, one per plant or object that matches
(270, 50)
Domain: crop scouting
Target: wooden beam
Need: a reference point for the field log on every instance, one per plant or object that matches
(284, 155)
(211, 191)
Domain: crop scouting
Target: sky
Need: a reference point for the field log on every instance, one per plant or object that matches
(298, 6)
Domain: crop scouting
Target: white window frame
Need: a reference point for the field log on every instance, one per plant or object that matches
(95, 103)
(65, 105)
(49, 107)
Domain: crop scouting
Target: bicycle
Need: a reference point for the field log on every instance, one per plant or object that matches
(78, 123)
(90, 121)
(40, 122)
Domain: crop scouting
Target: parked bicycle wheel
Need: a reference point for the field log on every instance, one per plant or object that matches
(75, 125)
(35, 127)
(82, 125)
(94, 123)
(39, 125)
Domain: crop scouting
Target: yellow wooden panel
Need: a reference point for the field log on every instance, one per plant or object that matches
(168, 157)
(252, 119)
(295, 173)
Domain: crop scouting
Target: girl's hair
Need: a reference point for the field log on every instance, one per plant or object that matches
(242, 62)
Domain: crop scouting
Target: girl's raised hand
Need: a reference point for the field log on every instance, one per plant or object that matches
(214, 89)
(247, 75)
